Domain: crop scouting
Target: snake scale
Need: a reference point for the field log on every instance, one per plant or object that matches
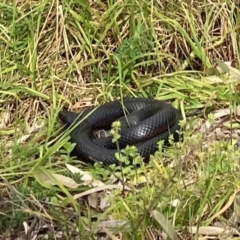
(144, 122)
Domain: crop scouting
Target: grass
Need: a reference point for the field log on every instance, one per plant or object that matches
(83, 53)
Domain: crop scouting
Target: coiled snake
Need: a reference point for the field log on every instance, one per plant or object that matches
(144, 122)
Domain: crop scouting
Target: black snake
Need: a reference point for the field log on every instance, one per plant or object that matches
(144, 122)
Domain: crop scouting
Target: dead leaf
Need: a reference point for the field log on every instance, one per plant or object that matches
(86, 178)
(93, 200)
(112, 224)
(225, 66)
(101, 188)
(209, 230)
(221, 113)
(51, 179)
(105, 202)
(165, 224)
(110, 234)
(225, 112)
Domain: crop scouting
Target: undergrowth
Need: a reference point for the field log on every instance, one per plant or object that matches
(76, 54)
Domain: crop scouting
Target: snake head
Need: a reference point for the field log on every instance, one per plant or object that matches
(67, 117)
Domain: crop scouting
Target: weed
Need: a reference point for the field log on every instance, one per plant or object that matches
(83, 53)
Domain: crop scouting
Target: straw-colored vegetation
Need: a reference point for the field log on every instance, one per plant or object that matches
(82, 53)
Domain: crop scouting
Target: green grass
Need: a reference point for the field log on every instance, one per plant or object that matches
(83, 53)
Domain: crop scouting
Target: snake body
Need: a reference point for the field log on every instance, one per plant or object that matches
(144, 122)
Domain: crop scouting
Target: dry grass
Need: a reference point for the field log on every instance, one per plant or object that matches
(83, 53)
